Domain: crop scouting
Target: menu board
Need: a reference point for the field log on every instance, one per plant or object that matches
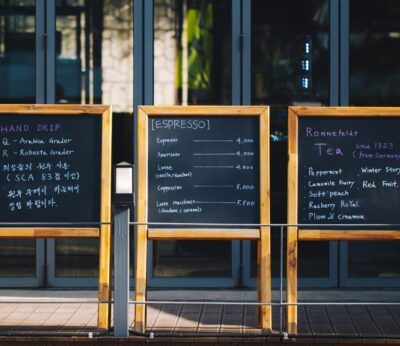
(349, 170)
(203, 170)
(50, 168)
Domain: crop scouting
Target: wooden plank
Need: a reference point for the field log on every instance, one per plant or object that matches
(292, 241)
(264, 280)
(204, 234)
(345, 111)
(168, 318)
(362, 321)
(232, 319)
(303, 326)
(318, 235)
(276, 315)
(48, 312)
(141, 279)
(50, 232)
(264, 246)
(203, 110)
(104, 310)
(250, 319)
(342, 324)
(153, 313)
(189, 319)
(141, 231)
(33, 318)
(384, 320)
(210, 319)
(90, 314)
(395, 312)
(319, 320)
(67, 109)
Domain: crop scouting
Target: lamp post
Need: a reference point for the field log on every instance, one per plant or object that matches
(123, 184)
(123, 199)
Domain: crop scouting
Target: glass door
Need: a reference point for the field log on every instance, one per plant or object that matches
(374, 34)
(94, 64)
(21, 260)
(290, 59)
(193, 66)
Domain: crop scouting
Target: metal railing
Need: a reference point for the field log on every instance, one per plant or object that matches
(282, 304)
(123, 230)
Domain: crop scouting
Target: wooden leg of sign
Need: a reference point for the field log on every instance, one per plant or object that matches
(291, 279)
(141, 278)
(104, 311)
(264, 280)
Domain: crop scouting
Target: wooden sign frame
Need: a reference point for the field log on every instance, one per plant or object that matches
(145, 233)
(103, 231)
(294, 235)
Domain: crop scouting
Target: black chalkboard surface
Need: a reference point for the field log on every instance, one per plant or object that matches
(50, 168)
(203, 170)
(349, 170)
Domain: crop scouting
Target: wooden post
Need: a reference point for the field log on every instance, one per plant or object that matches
(291, 279)
(104, 311)
(264, 280)
(141, 231)
(264, 244)
(292, 241)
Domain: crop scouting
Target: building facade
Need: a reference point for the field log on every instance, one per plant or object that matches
(214, 52)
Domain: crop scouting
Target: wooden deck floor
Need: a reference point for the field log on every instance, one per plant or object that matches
(362, 321)
(63, 318)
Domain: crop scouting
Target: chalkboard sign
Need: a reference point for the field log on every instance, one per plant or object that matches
(55, 178)
(349, 170)
(50, 168)
(204, 169)
(344, 166)
(343, 180)
(203, 174)
(55, 163)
